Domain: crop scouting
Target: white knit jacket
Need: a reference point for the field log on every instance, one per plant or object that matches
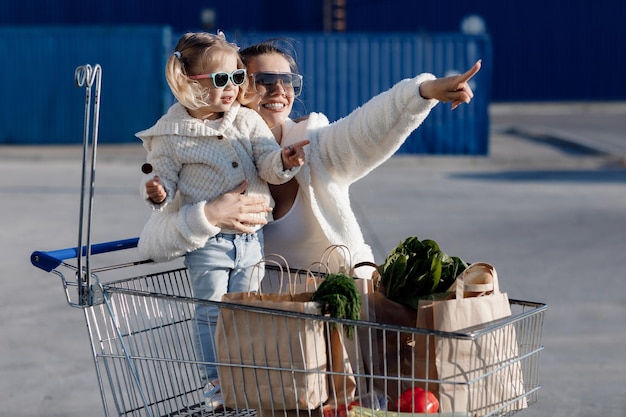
(201, 162)
(338, 155)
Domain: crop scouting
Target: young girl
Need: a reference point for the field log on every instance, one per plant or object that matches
(204, 146)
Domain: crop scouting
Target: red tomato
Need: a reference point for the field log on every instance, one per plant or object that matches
(340, 411)
(417, 400)
(354, 403)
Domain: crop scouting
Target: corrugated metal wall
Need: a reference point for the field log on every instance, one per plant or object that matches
(42, 105)
(341, 72)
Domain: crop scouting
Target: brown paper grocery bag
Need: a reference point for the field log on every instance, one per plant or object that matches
(345, 360)
(342, 381)
(341, 353)
(391, 351)
(269, 361)
(425, 349)
(480, 374)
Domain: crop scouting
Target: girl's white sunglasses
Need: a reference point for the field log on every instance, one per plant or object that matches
(220, 79)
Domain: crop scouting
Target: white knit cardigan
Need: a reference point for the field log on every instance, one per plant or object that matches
(339, 154)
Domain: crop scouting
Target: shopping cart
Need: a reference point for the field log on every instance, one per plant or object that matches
(141, 332)
(140, 322)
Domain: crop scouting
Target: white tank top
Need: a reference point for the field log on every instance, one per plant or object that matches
(298, 237)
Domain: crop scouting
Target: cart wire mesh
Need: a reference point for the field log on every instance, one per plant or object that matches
(142, 339)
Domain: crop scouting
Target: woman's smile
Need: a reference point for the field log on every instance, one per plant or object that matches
(274, 106)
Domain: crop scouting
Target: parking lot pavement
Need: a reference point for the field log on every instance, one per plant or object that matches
(548, 215)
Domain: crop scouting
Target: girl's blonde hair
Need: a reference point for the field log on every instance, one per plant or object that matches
(191, 53)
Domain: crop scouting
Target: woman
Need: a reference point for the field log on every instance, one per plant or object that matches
(312, 211)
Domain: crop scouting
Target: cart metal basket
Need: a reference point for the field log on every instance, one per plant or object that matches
(141, 332)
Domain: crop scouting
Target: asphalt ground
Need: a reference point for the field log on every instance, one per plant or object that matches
(547, 208)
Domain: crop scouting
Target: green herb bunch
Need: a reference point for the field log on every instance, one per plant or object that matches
(417, 270)
(339, 297)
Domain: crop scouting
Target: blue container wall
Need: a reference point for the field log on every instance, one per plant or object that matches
(41, 103)
(557, 50)
(341, 72)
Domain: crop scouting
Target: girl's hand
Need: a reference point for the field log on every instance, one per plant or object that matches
(454, 88)
(155, 190)
(236, 211)
(293, 155)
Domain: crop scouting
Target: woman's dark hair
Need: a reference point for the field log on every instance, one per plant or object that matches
(270, 46)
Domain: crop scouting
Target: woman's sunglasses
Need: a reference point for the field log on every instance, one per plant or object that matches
(266, 81)
(220, 79)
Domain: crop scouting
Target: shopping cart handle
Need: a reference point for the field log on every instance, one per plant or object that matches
(51, 259)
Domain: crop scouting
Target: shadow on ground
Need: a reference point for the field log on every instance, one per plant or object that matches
(608, 175)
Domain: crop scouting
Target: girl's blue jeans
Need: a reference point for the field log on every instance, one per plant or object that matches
(225, 264)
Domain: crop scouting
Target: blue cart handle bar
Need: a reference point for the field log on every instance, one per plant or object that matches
(49, 260)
